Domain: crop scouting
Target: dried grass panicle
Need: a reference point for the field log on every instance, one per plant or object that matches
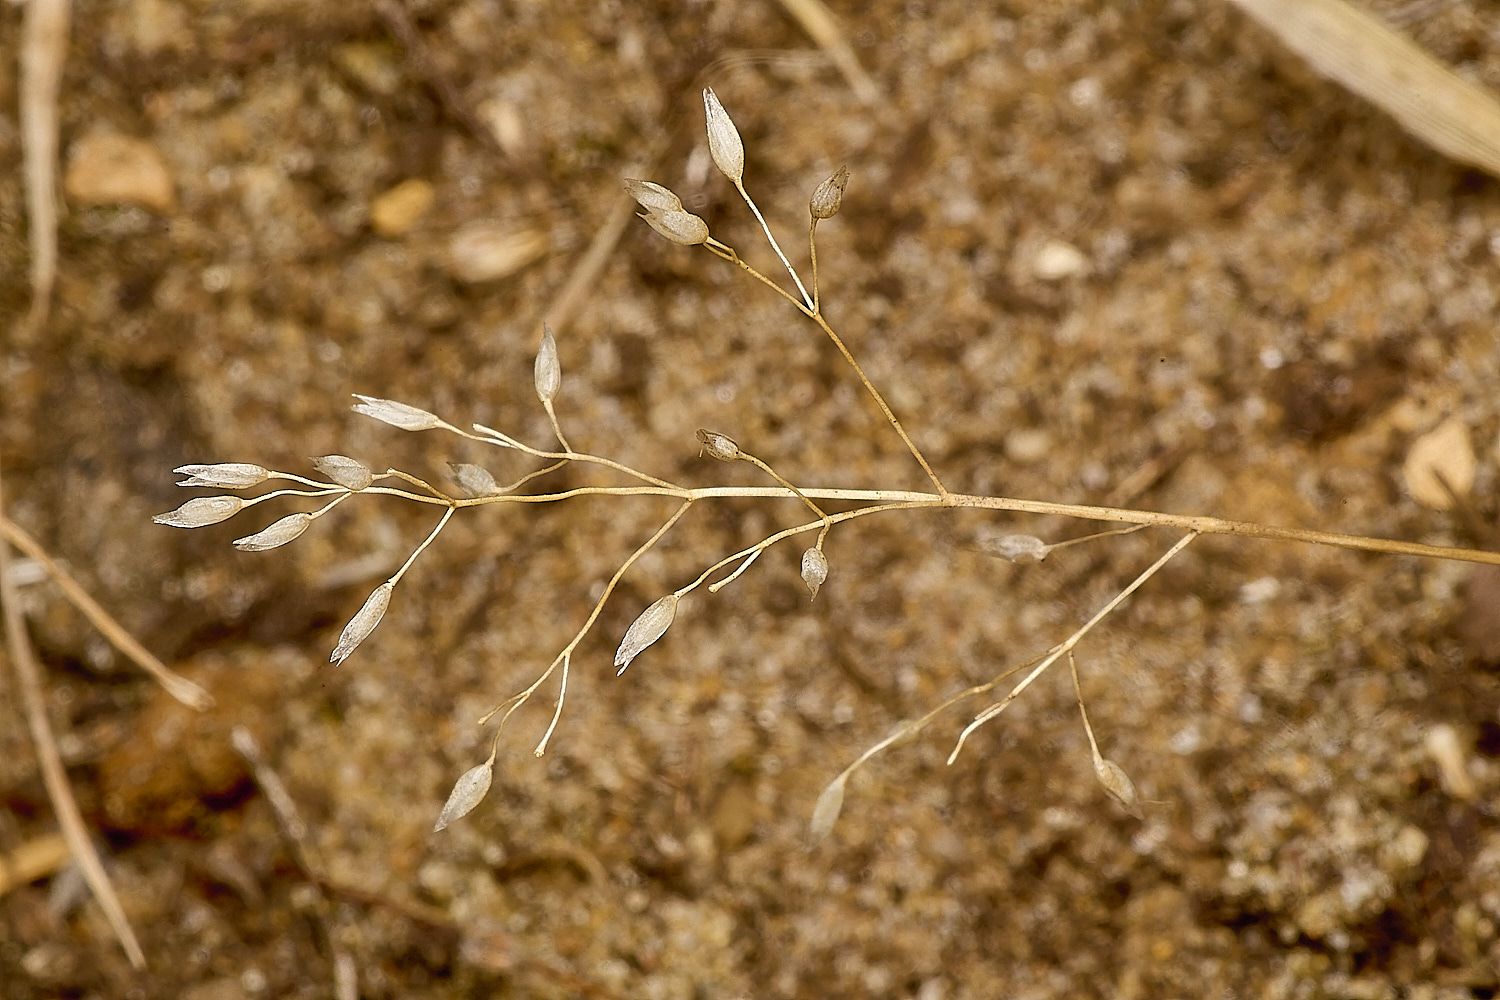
(663, 211)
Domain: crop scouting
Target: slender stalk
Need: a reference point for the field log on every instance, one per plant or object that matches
(774, 245)
(28, 676)
(1067, 644)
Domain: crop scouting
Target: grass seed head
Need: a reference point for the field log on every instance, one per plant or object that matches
(814, 569)
(474, 480)
(1118, 784)
(468, 791)
(652, 197)
(829, 196)
(363, 622)
(224, 476)
(723, 138)
(650, 626)
(720, 446)
(547, 373)
(826, 812)
(351, 474)
(200, 512)
(388, 411)
(1023, 550)
(276, 535)
(680, 227)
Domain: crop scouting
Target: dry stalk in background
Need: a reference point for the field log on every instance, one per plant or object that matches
(28, 675)
(44, 45)
(665, 213)
(1457, 118)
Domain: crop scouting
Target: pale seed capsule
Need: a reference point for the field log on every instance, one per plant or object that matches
(652, 197)
(814, 569)
(547, 373)
(645, 630)
(349, 473)
(388, 411)
(826, 812)
(723, 138)
(1023, 550)
(1118, 784)
(829, 196)
(200, 512)
(225, 475)
(278, 534)
(467, 793)
(474, 479)
(720, 446)
(680, 227)
(363, 622)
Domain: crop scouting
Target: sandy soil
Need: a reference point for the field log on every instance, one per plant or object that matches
(1092, 252)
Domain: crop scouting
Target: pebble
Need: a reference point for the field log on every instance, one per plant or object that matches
(109, 169)
(488, 251)
(394, 212)
(1057, 260)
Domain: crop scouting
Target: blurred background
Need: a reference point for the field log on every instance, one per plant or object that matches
(1103, 252)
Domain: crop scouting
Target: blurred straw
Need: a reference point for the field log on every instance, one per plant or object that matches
(1352, 47)
(44, 43)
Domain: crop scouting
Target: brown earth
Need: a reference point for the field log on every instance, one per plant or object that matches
(1271, 293)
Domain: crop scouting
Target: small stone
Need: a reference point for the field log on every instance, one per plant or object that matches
(109, 169)
(1027, 447)
(1443, 452)
(489, 251)
(394, 212)
(1057, 260)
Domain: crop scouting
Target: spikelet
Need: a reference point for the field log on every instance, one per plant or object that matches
(547, 373)
(680, 227)
(363, 622)
(349, 473)
(224, 476)
(720, 446)
(276, 535)
(1118, 784)
(645, 630)
(652, 197)
(475, 480)
(200, 512)
(468, 791)
(388, 411)
(814, 569)
(1023, 550)
(723, 138)
(829, 196)
(830, 804)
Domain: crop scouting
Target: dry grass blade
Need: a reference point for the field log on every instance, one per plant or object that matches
(29, 680)
(819, 23)
(44, 45)
(176, 685)
(32, 860)
(1356, 49)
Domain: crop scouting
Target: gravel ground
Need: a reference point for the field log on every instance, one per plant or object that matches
(1091, 251)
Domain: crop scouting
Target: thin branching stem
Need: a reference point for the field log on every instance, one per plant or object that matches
(1068, 643)
(419, 549)
(770, 238)
(515, 701)
(812, 252)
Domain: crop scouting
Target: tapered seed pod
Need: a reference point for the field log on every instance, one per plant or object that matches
(829, 196)
(276, 535)
(652, 197)
(720, 446)
(547, 373)
(1118, 784)
(225, 475)
(1023, 550)
(200, 512)
(814, 569)
(475, 480)
(467, 793)
(349, 473)
(826, 812)
(363, 622)
(680, 227)
(388, 411)
(645, 630)
(724, 143)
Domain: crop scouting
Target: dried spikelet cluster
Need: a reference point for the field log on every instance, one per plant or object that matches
(661, 209)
